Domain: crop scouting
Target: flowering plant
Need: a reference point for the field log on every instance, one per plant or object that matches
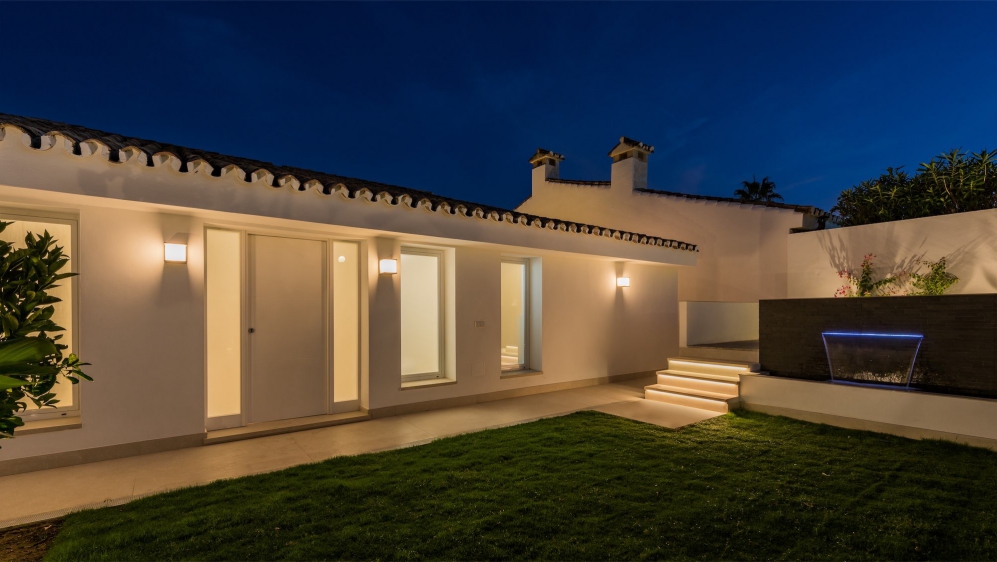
(935, 282)
(863, 285)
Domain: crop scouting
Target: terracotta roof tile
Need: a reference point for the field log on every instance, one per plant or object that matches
(42, 134)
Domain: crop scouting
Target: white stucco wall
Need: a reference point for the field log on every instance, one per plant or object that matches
(591, 328)
(142, 321)
(967, 240)
(900, 412)
(742, 248)
(716, 322)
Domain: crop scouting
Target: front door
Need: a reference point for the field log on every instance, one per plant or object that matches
(288, 342)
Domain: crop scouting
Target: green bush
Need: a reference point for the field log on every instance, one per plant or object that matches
(935, 282)
(950, 183)
(31, 358)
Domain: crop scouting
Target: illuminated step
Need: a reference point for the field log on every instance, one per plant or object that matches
(709, 367)
(727, 386)
(704, 376)
(669, 395)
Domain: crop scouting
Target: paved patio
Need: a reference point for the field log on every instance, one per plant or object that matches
(52, 493)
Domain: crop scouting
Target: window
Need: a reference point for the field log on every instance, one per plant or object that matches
(422, 313)
(223, 265)
(515, 314)
(64, 233)
(346, 321)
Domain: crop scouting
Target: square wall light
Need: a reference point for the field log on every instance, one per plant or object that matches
(622, 281)
(175, 249)
(388, 267)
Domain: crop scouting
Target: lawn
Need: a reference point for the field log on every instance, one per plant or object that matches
(583, 486)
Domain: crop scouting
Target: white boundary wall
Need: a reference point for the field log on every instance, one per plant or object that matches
(967, 240)
(717, 322)
(905, 413)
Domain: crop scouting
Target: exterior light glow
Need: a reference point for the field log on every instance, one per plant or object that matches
(389, 267)
(176, 253)
(622, 281)
(874, 335)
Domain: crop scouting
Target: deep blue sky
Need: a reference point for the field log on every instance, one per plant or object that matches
(453, 98)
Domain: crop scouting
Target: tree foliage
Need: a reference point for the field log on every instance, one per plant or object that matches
(31, 357)
(757, 192)
(950, 183)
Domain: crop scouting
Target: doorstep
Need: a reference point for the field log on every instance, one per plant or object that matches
(264, 429)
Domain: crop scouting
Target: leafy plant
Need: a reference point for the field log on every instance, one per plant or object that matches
(31, 358)
(864, 283)
(757, 192)
(949, 183)
(935, 282)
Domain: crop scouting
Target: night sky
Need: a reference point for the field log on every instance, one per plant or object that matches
(454, 98)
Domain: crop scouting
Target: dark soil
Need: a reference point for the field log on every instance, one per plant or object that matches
(28, 543)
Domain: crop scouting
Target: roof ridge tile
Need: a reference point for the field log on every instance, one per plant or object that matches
(36, 128)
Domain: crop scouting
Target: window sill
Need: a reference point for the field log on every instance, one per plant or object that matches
(519, 373)
(409, 385)
(32, 427)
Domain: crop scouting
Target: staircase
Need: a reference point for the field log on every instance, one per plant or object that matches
(700, 383)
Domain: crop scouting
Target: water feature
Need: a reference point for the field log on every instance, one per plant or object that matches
(872, 358)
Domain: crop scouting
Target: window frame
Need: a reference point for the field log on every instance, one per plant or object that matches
(440, 255)
(70, 248)
(527, 316)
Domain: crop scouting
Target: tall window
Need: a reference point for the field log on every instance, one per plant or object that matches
(64, 315)
(422, 313)
(223, 252)
(515, 311)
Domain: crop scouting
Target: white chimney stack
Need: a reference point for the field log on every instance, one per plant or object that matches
(546, 166)
(629, 165)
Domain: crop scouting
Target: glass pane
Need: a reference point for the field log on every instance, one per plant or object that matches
(871, 357)
(513, 315)
(346, 320)
(420, 279)
(63, 315)
(224, 303)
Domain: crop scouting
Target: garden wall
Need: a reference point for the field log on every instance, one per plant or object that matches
(958, 354)
(968, 241)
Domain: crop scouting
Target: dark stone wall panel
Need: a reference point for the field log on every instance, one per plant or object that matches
(958, 354)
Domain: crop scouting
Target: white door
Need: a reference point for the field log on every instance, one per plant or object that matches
(289, 366)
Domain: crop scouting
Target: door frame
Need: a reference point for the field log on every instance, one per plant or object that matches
(242, 419)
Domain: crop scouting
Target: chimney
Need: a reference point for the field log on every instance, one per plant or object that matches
(546, 166)
(629, 165)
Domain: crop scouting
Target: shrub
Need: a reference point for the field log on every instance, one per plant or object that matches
(911, 283)
(950, 183)
(935, 282)
(31, 358)
(863, 284)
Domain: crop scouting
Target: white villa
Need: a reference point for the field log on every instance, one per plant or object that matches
(223, 298)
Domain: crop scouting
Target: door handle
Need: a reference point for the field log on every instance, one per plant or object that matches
(252, 330)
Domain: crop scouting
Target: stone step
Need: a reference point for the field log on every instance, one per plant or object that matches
(695, 382)
(692, 391)
(704, 376)
(692, 365)
(749, 356)
(669, 395)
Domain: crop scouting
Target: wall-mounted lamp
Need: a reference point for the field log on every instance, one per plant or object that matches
(622, 281)
(176, 249)
(389, 267)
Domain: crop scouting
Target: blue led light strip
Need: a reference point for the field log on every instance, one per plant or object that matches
(871, 335)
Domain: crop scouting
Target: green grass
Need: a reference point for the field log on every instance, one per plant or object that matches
(584, 486)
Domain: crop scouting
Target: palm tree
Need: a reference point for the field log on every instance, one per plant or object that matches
(755, 192)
